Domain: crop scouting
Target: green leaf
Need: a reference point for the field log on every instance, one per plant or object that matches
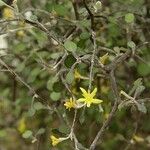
(55, 96)
(19, 48)
(138, 82)
(131, 44)
(69, 61)
(64, 129)
(70, 46)
(38, 106)
(70, 77)
(51, 81)
(84, 35)
(20, 67)
(84, 23)
(31, 112)
(143, 69)
(129, 18)
(61, 10)
(58, 86)
(27, 134)
(141, 107)
(139, 90)
(40, 131)
(32, 18)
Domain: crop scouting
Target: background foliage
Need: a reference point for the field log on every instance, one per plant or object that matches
(45, 56)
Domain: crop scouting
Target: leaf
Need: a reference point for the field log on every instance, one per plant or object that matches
(19, 48)
(20, 67)
(131, 44)
(31, 18)
(58, 86)
(40, 131)
(85, 35)
(129, 18)
(139, 90)
(61, 10)
(64, 129)
(143, 69)
(141, 107)
(31, 112)
(84, 24)
(38, 106)
(69, 61)
(70, 77)
(27, 134)
(55, 96)
(136, 84)
(70, 46)
(51, 81)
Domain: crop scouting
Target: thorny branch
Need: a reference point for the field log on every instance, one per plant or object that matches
(112, 113)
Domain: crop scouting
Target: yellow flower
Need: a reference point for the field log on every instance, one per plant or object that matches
(54, 140)
(104, 58)
(138, 138)
(89, 97)
(77, 75)
(22, 125)
(8, 13)
(70, 104)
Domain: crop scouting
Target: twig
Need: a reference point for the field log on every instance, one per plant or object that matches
(75, 7)
(112, 113)
(21, 80)
(14, 89)
(92, 60)
(90, 14)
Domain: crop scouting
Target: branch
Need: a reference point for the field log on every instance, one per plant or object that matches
(90, 14)
(112, 113)
(22, 81)
(75, 7)
(92, 60)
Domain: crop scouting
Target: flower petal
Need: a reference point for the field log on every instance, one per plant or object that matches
(94, 92)
(81, 100)
(84, 93)
(88, 104)
(97, 101)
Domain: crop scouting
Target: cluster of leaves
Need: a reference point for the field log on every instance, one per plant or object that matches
(53, 48)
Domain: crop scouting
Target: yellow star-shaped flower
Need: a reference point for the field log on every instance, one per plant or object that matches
(70, 104)
(89, 97)
(56, 140)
